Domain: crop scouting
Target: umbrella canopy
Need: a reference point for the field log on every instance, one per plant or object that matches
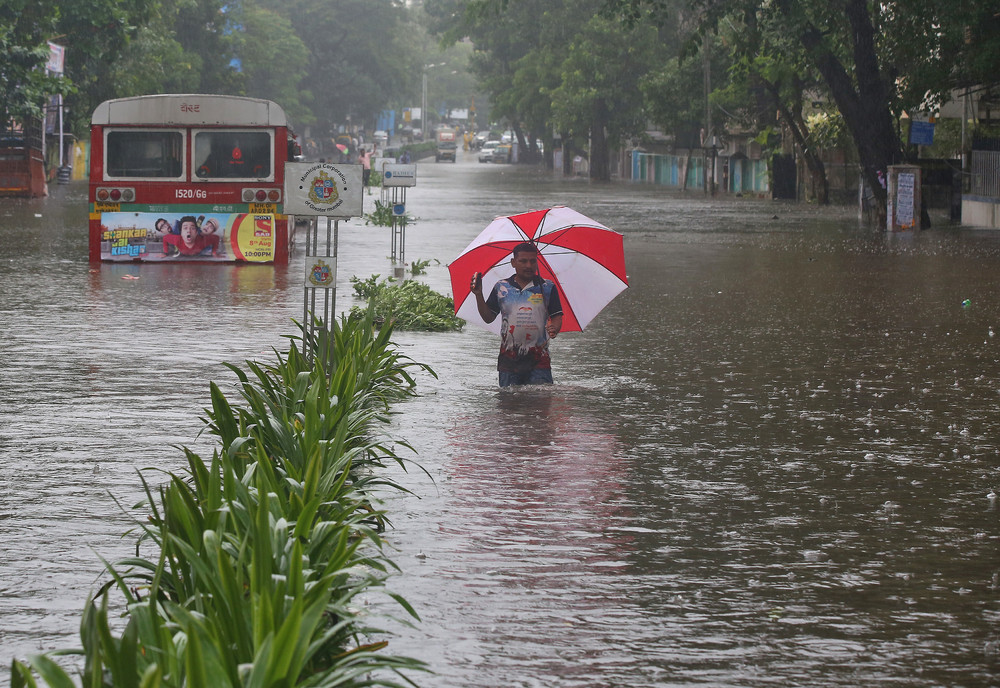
(585, 259)
(342, 148)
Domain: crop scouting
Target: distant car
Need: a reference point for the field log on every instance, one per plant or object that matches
(486, 152)
(501, 153)
(381, 137)
(481, 138)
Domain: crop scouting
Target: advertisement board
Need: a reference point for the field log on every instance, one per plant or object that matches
(323, 189)
(195, 234)
(395, 174)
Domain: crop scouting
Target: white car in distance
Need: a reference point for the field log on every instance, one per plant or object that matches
(486, 152)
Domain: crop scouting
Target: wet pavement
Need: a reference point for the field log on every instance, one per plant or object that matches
(767, 462)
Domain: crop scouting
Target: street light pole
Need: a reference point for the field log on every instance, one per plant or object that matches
(423, 99)
(423, 107)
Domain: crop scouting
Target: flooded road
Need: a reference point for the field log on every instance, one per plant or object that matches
(766, 463)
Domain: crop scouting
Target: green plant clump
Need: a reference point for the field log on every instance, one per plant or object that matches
(419, 267)
(407, 305)
(383, 217)
(260, 553)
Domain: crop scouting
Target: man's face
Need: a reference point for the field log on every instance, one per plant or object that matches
(525, 265)
(188, 233)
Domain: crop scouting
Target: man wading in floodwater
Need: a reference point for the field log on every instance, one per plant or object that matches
(532, 315)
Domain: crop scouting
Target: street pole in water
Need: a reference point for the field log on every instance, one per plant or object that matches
(396, 178)
(333, 193)
(321, 275)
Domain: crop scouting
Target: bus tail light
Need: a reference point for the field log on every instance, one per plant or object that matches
(261, 196)
(115, 194)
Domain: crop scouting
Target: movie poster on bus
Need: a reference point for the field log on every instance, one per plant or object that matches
(200, 236)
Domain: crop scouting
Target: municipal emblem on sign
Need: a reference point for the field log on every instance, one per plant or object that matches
(323, 189)
(321, 274)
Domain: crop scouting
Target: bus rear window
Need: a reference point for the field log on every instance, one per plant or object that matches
(230, 154)
(133, 153)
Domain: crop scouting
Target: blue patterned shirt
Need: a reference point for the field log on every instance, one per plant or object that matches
(524, 341)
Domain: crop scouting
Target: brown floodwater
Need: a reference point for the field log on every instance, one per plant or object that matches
(766, 463)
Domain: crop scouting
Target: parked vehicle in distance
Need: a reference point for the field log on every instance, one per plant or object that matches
(481, 138)
(501, 153)
(486, 152)
(381, 137)
(446, 145)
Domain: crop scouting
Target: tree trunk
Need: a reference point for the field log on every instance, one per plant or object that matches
(799, 129)
(523, 153)
(600, 166)
(865, 108)
(568, 148)
(817, 170)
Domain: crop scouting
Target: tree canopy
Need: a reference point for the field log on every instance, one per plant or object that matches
(874, 59)
(324, 61)
(25, 29)
(593, 74)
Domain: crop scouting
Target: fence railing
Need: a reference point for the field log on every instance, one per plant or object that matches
(27, 136)
(985, 173)
(679, 171)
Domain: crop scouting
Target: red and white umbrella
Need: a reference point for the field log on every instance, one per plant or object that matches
(585, 259)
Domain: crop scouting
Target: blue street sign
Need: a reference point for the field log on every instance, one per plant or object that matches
(922, 133)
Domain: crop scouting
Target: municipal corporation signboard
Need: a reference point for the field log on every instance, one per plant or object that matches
(323, 189)
(321, 272)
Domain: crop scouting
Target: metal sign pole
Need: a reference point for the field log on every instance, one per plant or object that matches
(330, 299)
(400, 202)
(392, 229)
(306, 324)
(333, 192)
(397, 199)
(397, 177)
(321, 272)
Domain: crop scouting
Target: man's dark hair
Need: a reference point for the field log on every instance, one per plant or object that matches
(524, 247)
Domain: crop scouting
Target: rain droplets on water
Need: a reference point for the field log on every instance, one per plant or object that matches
(773, 459)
